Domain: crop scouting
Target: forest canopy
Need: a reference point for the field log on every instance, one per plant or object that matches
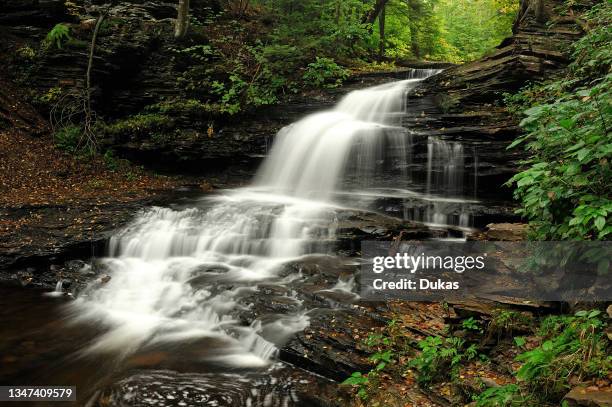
(441, 30)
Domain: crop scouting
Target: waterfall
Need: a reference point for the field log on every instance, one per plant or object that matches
(59, 289)
(181, 275)
(310, 158)
(445, 167)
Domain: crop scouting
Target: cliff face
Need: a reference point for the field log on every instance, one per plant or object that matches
(135, 65)
(465, 103)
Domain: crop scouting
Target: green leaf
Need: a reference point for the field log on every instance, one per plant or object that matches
(583, 153)
(534, 110)
(594, 313)
(600, 222)
(525, 181)
(515, 143)
(567, 124)
(519, 341)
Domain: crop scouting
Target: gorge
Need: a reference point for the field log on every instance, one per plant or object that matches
(220, 265)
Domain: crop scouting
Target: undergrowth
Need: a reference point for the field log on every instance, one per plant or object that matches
(562, 351)
(565, 190)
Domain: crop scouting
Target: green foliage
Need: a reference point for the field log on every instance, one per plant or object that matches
(140, 125)
(25, 53)
(505, 322)
(470, 28)
(327, 28)
(254, 75)
(360, 380)
(67, 138)
(230, 94)
(241, 59)
(382, 359)
(47, 99)
(519, 341)
(325, 72)
(578, 347)
(58, 36)
(573, 348)
(471, 324)
(566, 190)
(440, 358)
(503, 396)
(187, 108)
(111, 162)
(387, 347)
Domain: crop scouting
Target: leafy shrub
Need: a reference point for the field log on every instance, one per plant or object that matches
(48, 99)
(58, 36)
(360, 380)
(388, 347)
(503, 396)
(196, 53)
(471, 324)
(578, 347)
(282, 59)
(140, 125)
(325, 72)
(440, 357)
(566, 190)
(190, 108)
(505, 322)
(67, 138)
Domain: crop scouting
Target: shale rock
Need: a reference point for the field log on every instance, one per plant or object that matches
(465, 103)
(581, 396)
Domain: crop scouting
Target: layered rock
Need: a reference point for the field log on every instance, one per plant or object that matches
(465, 102)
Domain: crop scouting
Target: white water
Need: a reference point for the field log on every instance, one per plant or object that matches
(181, 275)
(59, 289)
(309, 158)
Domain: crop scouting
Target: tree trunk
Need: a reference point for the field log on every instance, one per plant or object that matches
(371, 16)
(182, 20)
(381, 29)
(414, 42)
(539, 11)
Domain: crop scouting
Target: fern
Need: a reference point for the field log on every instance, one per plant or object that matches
(58, 35)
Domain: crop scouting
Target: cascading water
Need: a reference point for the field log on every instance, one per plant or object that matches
(180, 275)
(309, 158)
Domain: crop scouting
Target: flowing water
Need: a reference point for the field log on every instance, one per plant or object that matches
(184, 275)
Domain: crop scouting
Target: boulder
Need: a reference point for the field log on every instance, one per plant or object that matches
(589, 397)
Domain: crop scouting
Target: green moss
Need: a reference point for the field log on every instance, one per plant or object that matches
(25, 53)
(51, 97)
(190, 108)
(139, 126)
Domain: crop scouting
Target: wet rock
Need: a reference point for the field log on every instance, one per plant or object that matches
(510, 232)
(488, 382)
(278, 386)
(581, 396)
(329, 345)
(32, 12)
(75, 265)
(354, 227)
(464, 103)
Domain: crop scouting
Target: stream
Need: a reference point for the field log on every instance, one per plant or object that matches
(175, 316)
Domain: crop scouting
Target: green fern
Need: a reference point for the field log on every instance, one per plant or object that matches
(58, 35)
